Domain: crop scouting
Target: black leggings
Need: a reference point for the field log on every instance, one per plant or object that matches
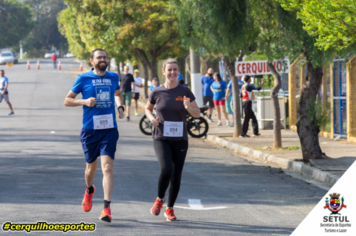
(171, 157)
(249, 114)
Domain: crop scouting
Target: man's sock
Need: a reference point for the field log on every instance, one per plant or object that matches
(90, 190)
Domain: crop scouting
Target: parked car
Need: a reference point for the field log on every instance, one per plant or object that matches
(8, 56)
(49, 53)
(69, 54)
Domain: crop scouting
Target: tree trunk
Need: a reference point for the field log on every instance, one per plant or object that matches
(277, 136)
(145, 85)
(230, 64)
(308, 131)
(153, 68)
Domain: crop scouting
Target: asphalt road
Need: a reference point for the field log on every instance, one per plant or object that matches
(42, 173)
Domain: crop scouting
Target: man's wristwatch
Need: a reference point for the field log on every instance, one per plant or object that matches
(123, 108)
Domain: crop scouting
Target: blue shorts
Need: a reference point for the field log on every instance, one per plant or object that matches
(98, 143)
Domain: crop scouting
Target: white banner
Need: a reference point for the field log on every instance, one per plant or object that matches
(260, 67)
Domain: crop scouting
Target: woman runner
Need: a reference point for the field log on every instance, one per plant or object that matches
(170, 139)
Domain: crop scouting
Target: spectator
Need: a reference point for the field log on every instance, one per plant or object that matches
(54, 59)
(246, 95)
(229, 92)
(219, 90)
(154, 84)
(207, 80)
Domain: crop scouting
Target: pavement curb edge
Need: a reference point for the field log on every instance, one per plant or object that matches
(298, 167)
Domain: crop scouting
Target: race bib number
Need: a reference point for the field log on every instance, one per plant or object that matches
(173, 129)
(103, 122)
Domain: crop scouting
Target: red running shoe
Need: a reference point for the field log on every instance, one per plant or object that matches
(87, 203)
(106, 215)
(156, 209)
(169, 214)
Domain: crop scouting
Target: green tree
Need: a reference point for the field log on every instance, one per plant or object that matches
(45, 33)
(68, 26)
(16, 22)
(137, 29)
(332, 22)
(218, 28)
(297, 41)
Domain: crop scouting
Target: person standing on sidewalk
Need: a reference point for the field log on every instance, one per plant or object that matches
(54, 59)
(229, 92)
(246, 95)
(170, 138)
(4, 93)
(100, 90)
(136, 90)
(127, 84)
(154, 84)
(207, 80)
(219, 90)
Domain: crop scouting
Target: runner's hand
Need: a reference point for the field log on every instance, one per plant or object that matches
(121, 114)
(186, 102)
(155, 122)
(90, 102)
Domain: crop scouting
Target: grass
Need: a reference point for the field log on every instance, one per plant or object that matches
(290, 148)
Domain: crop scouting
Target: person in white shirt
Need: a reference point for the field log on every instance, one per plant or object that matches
(136, 90)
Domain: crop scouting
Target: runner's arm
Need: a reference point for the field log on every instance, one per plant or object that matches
(6, 85)
(119, 100)
(227, 93)
(149, 110)
(71, 101)
(193, 109)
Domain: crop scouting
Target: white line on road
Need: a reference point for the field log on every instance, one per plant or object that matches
(195, 204)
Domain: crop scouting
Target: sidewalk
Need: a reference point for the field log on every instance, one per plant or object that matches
(342, 154)
(327, 171)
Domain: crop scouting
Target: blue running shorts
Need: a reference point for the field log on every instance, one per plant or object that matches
(97, 143)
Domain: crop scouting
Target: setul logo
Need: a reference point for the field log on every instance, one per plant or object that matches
(335, 205)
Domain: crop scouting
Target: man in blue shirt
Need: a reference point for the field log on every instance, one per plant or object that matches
(100, 90)
(207, 80)
(4, 93)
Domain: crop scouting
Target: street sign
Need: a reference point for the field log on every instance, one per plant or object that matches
(260, 67)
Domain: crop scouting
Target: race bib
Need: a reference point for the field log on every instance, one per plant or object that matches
(103, 122)
(173, 129)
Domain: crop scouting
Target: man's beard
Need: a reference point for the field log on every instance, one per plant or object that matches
(101, 67)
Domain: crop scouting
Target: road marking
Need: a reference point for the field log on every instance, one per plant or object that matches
(195, 204)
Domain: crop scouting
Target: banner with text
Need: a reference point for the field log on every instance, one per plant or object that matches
(260, 67)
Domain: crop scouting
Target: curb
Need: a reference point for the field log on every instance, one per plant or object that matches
(298, 167)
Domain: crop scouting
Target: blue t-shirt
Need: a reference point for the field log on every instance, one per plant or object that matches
(153, 87)
(229, 86)
(4, 80)
(207, 81)
(219, 90)
(100, 87)
(180, 77)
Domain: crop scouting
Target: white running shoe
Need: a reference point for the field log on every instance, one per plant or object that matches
(219, 123)
(227, 123)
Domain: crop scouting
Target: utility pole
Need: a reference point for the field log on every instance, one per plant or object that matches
(21, 52)
(195, 77)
